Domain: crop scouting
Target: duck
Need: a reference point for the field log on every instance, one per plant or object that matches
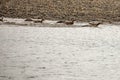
(1, 19)
(28, 19)
(60, 21)
(39, 21)
(69, 22)
(92, 24)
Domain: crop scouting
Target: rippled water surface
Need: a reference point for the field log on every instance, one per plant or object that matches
(45, 53)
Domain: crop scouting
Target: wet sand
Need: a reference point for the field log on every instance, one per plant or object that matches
(46, 53)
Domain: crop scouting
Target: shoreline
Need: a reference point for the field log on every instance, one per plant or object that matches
(51, 23)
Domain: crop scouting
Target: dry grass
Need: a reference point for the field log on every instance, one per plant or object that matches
(83, 10)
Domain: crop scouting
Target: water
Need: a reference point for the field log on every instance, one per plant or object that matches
(47, 53)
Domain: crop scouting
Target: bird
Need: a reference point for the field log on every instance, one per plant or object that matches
(60, 21)
(93, 24)
(1, 19)
(28, 19)
(69, 22)
(38, 21)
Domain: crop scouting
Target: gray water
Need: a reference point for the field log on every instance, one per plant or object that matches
(45, 53)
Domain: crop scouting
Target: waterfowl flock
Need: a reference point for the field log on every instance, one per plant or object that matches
(66, 22)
